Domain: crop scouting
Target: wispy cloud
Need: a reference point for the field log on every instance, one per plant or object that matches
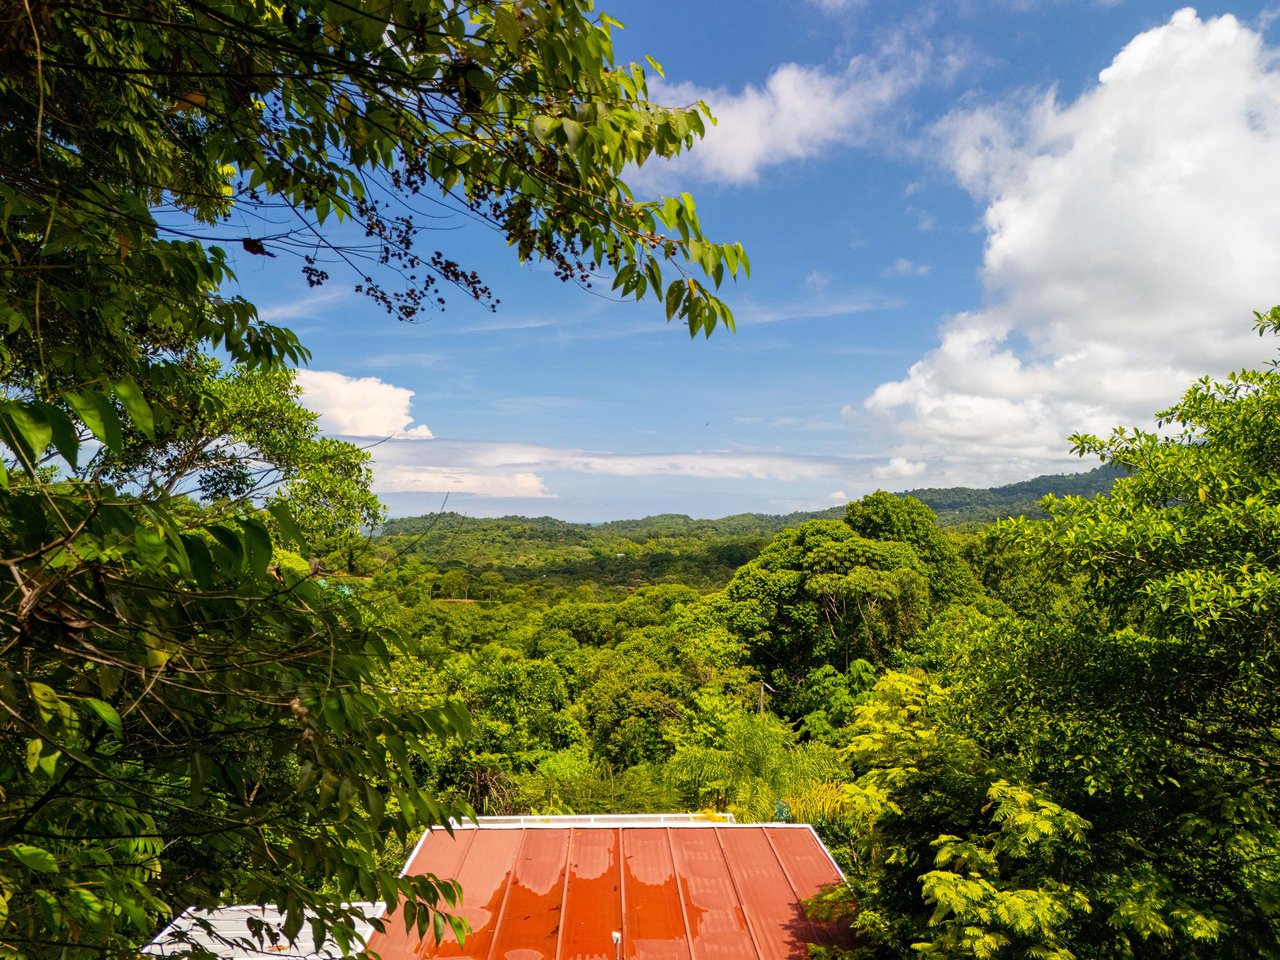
(926, 222)
(806, 424)
(514, 323)
(798, 113)
(864, 301)
(902, 267)
(839, 6)
(489, 468)
(300, 309)
(542, 402)
(405, 478)
(477, 454)
(405, 360)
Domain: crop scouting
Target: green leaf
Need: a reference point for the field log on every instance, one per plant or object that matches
(63, 433)
(199, 774)
(257, 543)
(374, 803)
(670, 211)
(47, 702)
(508, 28)
(108, 715)
(289, 528)
(233, 547)
(544, 127)
(34, 858)
(293, 923)
(177, 544)
(127, 391)
(27, 431)
(675, 293)
(459, 926)
(573, 132)
(97, 413)
(49, 762)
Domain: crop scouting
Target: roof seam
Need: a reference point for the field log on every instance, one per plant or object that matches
(622, 891)
(825, 852)
(737, 892)
(684, 914)
(564, 894)
(506, 894)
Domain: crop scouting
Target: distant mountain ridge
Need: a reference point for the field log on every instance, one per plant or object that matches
(953, 505)
(956, 505)
(669, 548)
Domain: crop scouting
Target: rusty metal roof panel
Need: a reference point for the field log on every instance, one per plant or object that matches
(529, 925)
(486, 880)
(808, 866)
(652, 912)
(713, 906)
(771, 904)
(674, 891)
(592, 896)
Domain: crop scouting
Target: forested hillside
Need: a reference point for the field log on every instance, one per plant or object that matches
(475, 558)
(955, 506)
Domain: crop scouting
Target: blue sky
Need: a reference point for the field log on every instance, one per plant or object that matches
(975, 228)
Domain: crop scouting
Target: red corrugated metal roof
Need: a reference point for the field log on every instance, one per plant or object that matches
(687, 891)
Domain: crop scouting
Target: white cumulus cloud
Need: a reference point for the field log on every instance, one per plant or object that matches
(899, 468)
(798, 112)
(839, 6)
(1130, 234)
(359, 406)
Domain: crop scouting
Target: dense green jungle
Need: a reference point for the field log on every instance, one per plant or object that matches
(1022, 735)
(463, 557)
(670, 663)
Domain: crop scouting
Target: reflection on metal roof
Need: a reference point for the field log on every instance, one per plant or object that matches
(225, 932)
(690, 890)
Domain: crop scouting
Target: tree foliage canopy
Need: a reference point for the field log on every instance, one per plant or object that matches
(1096, 777)
(515, 115)
(187, 714)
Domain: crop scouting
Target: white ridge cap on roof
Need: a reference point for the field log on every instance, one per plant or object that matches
(603, 820)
